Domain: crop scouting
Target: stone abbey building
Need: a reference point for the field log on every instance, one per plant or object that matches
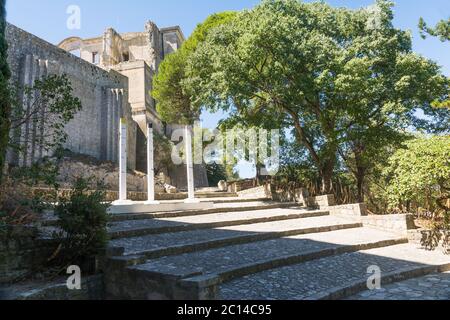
(112, 76)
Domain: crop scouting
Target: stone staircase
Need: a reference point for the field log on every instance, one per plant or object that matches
(254, 249)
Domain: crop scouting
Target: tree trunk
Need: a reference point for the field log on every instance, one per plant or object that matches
(327, 177)
(360, 177)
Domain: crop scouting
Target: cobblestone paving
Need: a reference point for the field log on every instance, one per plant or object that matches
(200, 219)
(160, 241)
(233, 257)
(431, 287)
(311, 278)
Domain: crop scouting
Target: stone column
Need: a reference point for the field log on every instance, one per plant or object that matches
(115, 125)
(189, 166)
(123, 165)
(109, 125)
(24, 131)
(43, 70)
(150, 166)
(35, 113)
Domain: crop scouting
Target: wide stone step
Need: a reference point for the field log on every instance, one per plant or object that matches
(218, 208)
(134, 228)
(432, 287)
(155, 246)
(336, 277)
(239, 260)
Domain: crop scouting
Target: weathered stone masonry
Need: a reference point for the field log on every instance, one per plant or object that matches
(103, 94)
(112, 75)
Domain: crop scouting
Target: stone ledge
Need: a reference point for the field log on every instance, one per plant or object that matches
(91, 289)
(210, 225)
(261, 266)
(399, 223)
(322, 201)
(389, 278)
(207, 286)
(254, 237)
(140, 207)
(355, 210)
(188, 213)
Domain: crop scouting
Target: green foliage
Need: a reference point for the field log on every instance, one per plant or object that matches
(330, 73)
(173, 103)
(420, 173)
(18, 204)
(163, 153)
(83, 220)
(216, 173)
(5, 107)
(52, 106)
(441, 30)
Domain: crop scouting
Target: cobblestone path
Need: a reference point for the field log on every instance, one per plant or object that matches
(430, 287)
(312, 279)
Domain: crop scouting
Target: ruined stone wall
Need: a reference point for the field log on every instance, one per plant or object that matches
(104, 96)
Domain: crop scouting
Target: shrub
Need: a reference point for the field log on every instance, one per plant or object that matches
(18, 205)
(419, 180)
(420, 175)
(83, 222)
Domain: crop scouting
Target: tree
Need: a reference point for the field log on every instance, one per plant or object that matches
(240, 126)
(216, 173)
(173, 103)
(51, 106)
(363, 150)
(324, 71)
(5, 107)
(441, 30)
(419, 178)
(420, 173)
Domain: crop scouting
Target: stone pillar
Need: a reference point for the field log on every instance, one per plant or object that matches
(24, 132)
(150, 166)
(43, 71)
(109, 125)
(122, 164)
(34, 115)
(115, 125)
(189, 166)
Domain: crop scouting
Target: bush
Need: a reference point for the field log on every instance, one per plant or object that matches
(18, 205)
(419, 176)
(419, 182)
(83, 222)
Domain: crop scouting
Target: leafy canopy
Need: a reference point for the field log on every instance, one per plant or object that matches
(174, 104)
(328, 73)
(441, 30)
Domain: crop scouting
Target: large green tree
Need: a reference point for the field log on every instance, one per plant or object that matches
(5, 107)
(441, 30)
(327, 72)
(174, 104)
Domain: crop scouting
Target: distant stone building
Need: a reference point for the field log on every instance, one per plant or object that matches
(112, 76)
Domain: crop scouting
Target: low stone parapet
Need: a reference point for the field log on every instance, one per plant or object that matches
(399, 223)
(323, 201)
(258, 192)
(20, 252)
(91, 289)
(356, 210)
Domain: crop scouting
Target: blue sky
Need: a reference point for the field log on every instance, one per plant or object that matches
(47, 19)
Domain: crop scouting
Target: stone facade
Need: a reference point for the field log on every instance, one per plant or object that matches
(112, 76)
